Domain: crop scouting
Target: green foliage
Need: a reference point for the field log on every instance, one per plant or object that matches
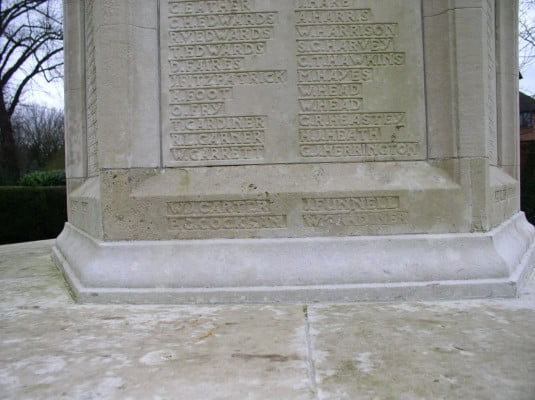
(31, 213)
(44, 178)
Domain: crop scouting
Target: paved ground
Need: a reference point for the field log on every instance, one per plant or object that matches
(52, 348)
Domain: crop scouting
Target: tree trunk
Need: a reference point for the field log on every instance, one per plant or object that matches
(9, 168)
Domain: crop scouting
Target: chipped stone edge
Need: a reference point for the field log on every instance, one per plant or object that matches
(513, 242)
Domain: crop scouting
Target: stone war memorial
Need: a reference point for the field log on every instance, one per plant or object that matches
(240, 151)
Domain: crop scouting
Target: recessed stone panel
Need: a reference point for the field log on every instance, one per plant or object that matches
(253, 82)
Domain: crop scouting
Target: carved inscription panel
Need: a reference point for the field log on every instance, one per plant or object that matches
(492, 130)
(91, 89)
(291, 81)
(223, 215)
(353, 211)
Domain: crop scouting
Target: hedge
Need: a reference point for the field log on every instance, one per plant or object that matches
(44, 178)
(31, 213)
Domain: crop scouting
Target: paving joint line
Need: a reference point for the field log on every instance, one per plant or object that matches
(311, 368)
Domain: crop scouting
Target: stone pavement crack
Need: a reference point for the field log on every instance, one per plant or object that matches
(310, 357)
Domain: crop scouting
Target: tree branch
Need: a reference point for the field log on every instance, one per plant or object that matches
(29, 49)
(36, 71)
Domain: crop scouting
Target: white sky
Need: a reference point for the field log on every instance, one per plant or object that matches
(527, 85)
(45, 93)
(38, 89)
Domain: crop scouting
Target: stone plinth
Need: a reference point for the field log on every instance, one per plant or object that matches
(275, 150)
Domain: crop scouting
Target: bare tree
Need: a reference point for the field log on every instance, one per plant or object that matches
(31, 44)
(39, 135)
(526, 32)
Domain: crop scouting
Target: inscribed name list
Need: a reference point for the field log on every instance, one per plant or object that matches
(255, 81)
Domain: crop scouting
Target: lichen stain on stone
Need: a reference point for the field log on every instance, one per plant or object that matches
(208, 334)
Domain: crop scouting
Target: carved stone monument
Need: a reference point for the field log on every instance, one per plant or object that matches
(292, 150)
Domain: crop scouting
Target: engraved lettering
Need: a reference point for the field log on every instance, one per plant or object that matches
(339, 48)
(200, 94)
(346, 60)
(349, 120)
(218, 223)
(205, 7)
(217, 50)
(340, 135)
(350, 203)
(330, 90)
(177, 21)
(223, 214)
(217, 153)
(219, 123)
(349, 75)
(220, 35)
(345, 46)
(210, 44)
(333, 16)
(182, 81)
(351, 60)
(353, 211)
(339, 104)
(347, 31)
(218, 207)
(205, 65)
(217, 138)
(504, 194)
(356, 219)
(196, 109)
(360, 150)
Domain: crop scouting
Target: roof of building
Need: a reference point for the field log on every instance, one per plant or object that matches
(527, 103)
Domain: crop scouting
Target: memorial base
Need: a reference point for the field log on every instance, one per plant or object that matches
(349, 269)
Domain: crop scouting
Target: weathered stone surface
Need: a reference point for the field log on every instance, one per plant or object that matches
(424, 350)
(271, 270)
(52, 348)
(303, 119)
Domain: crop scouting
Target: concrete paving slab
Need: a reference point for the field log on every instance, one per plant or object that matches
(442, 350)
(142, 353)
(53, 348)
(27, 278)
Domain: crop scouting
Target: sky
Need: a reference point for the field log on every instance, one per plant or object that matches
(49, 94)
(38, 90)
(527, 85)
